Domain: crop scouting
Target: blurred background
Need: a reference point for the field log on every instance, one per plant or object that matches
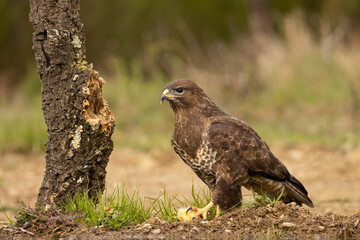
(291, 69)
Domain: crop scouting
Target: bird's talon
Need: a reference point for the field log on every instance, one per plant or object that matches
(189, 209)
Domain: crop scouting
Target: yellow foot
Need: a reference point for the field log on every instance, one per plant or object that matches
(187, 214)
(193, 212)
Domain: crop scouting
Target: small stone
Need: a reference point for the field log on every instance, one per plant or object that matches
(288, 224)
(43, 218)
(153, 220)
(180, 228)
(194, 229)
(269, 208)
(356, 224)
(146, 225)
(228, 231)
(269, 211)
(282, 216)
(321, 228)
(293, 204)
(156, 231)
(328, 211)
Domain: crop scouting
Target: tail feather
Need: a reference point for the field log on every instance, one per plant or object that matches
(296, 192)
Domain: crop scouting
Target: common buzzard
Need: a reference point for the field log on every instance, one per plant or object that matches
(225, 152)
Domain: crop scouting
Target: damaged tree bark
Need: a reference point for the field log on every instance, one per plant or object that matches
(79, 122)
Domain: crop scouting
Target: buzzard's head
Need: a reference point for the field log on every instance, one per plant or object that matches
(182, 93)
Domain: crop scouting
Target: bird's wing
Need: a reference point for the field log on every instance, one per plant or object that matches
(238, 146)
(241, 153)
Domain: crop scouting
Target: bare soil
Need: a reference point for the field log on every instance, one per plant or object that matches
(331, 176)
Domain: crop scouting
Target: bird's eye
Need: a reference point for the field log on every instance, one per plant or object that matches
(179, 90)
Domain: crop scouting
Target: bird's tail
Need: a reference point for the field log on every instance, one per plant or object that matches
(296, 192)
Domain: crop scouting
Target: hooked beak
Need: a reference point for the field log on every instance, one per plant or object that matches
(165, 95)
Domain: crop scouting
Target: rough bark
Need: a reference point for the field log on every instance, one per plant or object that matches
(79, 122)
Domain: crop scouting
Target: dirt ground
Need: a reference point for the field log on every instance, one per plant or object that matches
(331, 176)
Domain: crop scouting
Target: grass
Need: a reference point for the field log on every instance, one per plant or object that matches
(3, 209)
(22, 127)
(120, 208)
(26, 214)
(260, 200)
(263, 199)
(165, 206)
(114, 210)
(275, 234)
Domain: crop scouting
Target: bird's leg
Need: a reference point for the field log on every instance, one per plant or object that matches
(218, 211)
(202, 212)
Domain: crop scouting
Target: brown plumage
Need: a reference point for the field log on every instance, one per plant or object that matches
(225, 152)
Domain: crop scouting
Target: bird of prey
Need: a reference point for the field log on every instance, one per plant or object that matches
(225, 152)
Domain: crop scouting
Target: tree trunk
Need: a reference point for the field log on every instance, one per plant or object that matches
(79, 122)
